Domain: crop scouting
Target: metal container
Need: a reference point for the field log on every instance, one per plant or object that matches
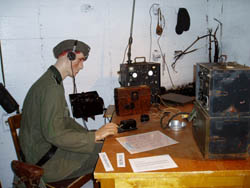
(222, 89)
(221, 137)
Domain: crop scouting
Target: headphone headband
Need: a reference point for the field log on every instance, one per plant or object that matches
(74, 47)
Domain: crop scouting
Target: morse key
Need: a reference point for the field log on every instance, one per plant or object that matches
(127, 125)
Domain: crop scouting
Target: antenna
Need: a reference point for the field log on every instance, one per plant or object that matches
(130, 40)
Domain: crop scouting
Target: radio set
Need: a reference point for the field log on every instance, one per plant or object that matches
(222, 124)
(223, 89)
(221, 137)
(132, 100)
(141, 73)
(86, 104)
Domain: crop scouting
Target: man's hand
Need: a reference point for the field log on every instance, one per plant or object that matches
(106, 130)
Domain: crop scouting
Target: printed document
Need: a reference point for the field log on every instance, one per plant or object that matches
(145, 141)
(152, 163)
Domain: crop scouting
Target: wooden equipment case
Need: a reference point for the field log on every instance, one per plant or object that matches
(132, 100)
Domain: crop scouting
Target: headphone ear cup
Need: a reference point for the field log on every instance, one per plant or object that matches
(71, 56)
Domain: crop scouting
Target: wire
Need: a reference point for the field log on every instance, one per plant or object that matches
(112, 116)
(74, 80)
(124, 54)
(162, 18)
(109, 119)
(150, 33)
(150, 29)
(1, 59)
(164, 61)
(85, 124)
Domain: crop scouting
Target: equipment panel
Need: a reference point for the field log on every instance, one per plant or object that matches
(143, 73)
(223, 89)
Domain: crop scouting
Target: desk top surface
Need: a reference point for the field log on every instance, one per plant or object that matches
(186, 153)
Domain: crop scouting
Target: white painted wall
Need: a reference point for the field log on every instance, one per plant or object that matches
(29, 29)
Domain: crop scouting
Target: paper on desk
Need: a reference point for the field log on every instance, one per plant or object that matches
(152, 163)
(145, 141)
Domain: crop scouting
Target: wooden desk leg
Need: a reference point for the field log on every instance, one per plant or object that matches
(107, 183)
(246, 183)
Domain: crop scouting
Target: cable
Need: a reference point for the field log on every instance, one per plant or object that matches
(150, 51)
(161, 18)
(84, 123)
(109, 119)
(1, 59)
(150, 29)
(124, 54)
(74, 81)
(164, 61)
(112, 116)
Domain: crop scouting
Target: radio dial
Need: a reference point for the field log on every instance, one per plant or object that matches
(134, 75)
(150, 73)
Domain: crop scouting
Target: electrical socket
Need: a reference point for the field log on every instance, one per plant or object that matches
(156, 55)
(155, 8)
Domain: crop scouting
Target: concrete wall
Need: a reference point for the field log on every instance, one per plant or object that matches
(29, 29)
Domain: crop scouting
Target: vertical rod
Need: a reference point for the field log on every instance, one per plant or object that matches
(1, 59)
(130, 41)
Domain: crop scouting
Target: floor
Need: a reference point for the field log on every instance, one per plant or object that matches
(88, 185)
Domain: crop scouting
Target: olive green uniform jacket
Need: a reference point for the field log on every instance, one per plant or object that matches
(45, 121)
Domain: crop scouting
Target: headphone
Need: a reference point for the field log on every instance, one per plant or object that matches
(71, 55)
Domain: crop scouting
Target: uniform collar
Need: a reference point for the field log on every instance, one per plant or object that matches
(56, 73)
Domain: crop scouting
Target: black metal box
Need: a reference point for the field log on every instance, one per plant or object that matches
(141, 73)
(221, 137)
(223, 89)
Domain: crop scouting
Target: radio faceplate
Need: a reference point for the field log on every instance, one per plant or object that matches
(142, 73)
(223, 89)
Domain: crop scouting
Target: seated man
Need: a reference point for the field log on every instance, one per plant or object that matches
(48, 136)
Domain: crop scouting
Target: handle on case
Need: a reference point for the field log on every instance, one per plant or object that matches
(144, 59)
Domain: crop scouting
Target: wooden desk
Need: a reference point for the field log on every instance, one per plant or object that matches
(193, 171)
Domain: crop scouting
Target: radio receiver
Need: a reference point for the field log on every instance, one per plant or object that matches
(140, 73)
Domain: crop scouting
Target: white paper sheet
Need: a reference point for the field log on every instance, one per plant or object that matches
(145, 141)
(106, 162)
(120, 158)
(152, 163)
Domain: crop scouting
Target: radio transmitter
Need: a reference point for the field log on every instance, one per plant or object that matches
(222, 89)
(221, 137)
(141, 73)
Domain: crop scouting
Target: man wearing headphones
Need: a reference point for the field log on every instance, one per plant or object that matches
(49, 137)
